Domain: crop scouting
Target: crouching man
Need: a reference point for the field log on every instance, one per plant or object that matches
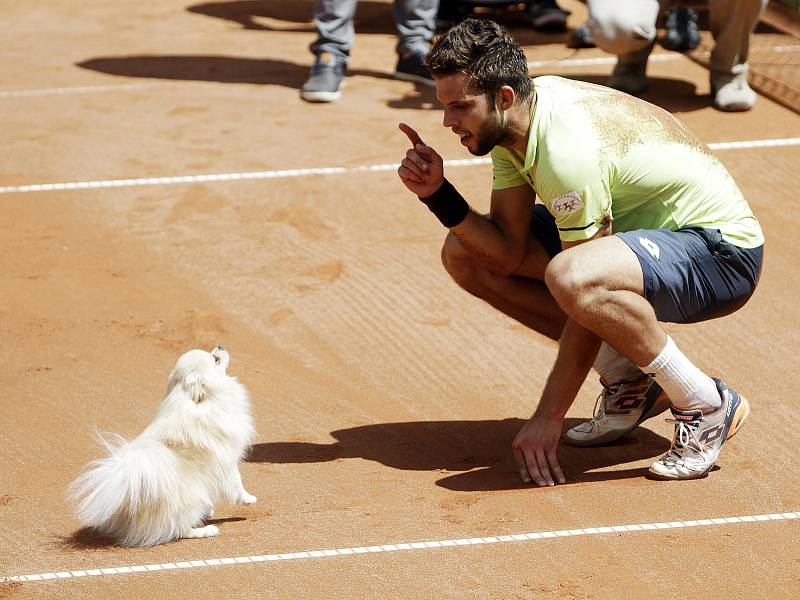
(637, 223)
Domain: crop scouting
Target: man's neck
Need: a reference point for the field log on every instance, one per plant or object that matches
(519, 122)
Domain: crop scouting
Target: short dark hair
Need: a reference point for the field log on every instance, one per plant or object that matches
(487, 53)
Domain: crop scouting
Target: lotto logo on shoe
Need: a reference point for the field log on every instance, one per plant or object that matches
(711, 435)
(730, 404)
(650, 246)
(629, 402)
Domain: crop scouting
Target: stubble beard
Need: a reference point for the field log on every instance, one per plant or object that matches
(493, 133)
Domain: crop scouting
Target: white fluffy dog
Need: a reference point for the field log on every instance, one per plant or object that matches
(162, 486)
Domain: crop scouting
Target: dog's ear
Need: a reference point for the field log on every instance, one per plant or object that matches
(193, 384)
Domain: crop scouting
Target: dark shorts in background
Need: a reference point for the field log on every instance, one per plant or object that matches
(690, 275)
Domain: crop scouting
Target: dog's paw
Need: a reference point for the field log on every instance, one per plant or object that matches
(204, 532)
(247, 499)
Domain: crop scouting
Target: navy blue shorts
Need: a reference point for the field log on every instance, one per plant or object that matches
(690, 275)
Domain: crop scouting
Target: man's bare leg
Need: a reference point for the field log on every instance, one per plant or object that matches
(527, 300)
(524, 298)
(599, 285)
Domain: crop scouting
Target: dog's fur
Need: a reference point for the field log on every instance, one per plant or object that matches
(163, 485)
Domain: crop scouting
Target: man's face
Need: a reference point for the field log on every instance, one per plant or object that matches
(470, 115)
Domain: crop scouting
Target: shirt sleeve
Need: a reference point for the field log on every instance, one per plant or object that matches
(505, 173)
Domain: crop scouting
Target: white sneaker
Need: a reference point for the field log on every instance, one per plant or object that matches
(734, 95)
(620, 408)
(699, 438)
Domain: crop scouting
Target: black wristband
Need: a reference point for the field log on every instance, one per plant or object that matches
(447, 204)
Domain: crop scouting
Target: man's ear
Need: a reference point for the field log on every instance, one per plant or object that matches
(194, 387)
(506, 97)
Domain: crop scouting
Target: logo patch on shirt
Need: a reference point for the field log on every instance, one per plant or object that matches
(568, 203)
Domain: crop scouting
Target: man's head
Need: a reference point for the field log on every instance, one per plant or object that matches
(480, 73)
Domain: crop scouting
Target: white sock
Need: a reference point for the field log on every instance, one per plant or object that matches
(687, 386)
(613, 367)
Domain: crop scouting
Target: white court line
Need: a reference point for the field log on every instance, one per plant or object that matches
(146, 181)
(789, 48)
(72, 90)
(423, 545)
(612, 60)
(601, 60)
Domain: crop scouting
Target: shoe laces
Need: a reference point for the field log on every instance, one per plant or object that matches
(684, 442)
(599, 412)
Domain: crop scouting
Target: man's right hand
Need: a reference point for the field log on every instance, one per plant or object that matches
(422, 170)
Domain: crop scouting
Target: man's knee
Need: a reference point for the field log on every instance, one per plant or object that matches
(458, 263)
(572, 286)
(623, 26)
(463, 268)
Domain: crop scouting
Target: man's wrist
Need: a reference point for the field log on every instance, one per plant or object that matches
(553, 416)
(447, 204)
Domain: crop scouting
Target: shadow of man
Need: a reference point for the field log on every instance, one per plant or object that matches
(222, 69)
(479, 450)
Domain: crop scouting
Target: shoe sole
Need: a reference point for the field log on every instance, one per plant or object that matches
(414, 78)
(320, 96)
(739, 417)
(735, 107)
(661, 404)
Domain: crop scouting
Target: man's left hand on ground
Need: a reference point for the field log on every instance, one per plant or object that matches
(535, 452)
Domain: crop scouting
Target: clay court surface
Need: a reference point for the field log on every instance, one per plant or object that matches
(385, 398)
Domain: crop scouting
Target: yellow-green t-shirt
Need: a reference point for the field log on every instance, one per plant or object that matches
(595, 154)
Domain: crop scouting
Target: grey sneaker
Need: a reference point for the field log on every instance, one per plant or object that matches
(411, 67)
(699, 438)
(620, 408)
(326, 79)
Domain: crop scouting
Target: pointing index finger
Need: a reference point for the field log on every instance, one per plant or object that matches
(412, 135)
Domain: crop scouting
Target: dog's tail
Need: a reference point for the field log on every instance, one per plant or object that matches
(114, 490)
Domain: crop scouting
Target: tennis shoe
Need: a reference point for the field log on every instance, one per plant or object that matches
(325, 80)
(411, 67)
(699, 437)
(620, 408)
(733, 93)
(682, 31)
